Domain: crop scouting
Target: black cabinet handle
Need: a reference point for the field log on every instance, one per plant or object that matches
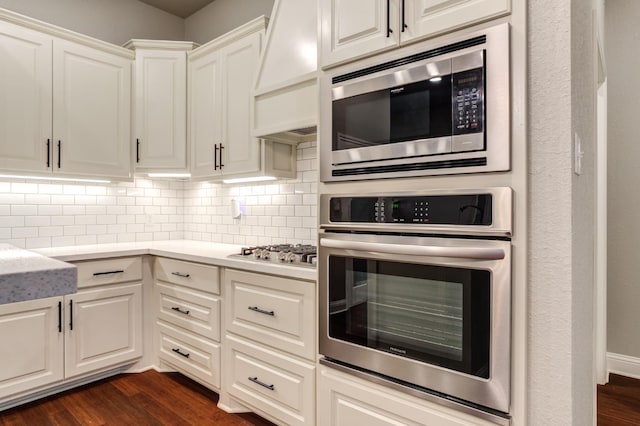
(71, 314)
(48, 153)
(215, 157)
(261, 311)
(95, 274)
(180, 274)
(59, 317)
(221, 148)
(59, 153)
(137, 150)
(263, 384)
(389, 30)
(177, 350)
(404, 24)
(177, 309)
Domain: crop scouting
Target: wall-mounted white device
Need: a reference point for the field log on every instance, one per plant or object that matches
(236, 210)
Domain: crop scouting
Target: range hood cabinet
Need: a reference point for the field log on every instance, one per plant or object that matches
(286, 90)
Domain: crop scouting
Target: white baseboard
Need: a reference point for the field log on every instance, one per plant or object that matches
(624, 365)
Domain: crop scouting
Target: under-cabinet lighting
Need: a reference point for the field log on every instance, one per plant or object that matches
(249, 179)
(169, 175)
(54, 178)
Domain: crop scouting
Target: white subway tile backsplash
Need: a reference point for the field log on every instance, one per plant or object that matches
(49, 214)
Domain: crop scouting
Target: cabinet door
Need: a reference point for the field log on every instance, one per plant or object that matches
(430, 17)
(351, 29)
(104, 328)
(160, 104)
(205, 114)
(92, 104)
(241, 151)
(32, 345)
(25, 99)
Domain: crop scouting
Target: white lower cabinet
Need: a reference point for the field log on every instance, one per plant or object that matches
(32, 347)
(188, 325)
(270, 346)
(345, 400)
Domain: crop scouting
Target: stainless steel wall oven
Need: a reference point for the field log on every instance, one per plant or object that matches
(415, 288)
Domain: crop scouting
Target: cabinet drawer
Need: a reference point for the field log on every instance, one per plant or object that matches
(276, 311)
(192, 354)
(194, 275)
(189, 309)
(270, 381)
(109, 271)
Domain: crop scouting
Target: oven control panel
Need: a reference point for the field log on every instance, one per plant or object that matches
(468, 101)
(472, 209)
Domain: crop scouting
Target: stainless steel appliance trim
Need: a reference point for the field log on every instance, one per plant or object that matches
(466, 252)
(467, 62)
(458, 406)
(469, 142)
(418, 71)
(501, 226)
(406, 151)
(494, 392)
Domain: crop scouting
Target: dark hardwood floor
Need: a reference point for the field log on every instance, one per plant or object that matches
(153, 398)
(148, 398)
(619, 402)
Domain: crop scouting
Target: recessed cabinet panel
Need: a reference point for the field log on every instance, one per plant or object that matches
(104, 328)
(25, 99)
(92, 104)
(431, 17)
(205, 114)
(32, 345)
(161, 102)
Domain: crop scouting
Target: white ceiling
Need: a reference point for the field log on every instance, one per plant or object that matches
(181, 8)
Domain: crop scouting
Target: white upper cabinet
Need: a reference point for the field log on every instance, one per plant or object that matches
(160, 105)
(221, 78)
(25, 99)
(352, 29)
(92, 111)
(65, 102)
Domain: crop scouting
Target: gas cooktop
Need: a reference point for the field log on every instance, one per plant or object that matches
(292, 254)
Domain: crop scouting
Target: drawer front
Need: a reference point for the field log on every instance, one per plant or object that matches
(189, 309)
(276, 311)
(109, 271)
(271, 381)
(194, 275)
(192, 354)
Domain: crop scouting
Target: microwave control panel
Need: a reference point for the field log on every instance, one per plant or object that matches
(473, 209)
(468, 101)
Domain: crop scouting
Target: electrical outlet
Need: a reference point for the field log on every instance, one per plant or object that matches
(578, 153)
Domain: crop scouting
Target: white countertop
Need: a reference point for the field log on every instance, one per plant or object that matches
(25, 275)
(192, 251)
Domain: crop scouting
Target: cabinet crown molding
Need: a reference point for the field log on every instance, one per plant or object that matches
(135, 44)
(258, 24)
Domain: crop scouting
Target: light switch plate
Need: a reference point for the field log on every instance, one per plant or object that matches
(578, 153)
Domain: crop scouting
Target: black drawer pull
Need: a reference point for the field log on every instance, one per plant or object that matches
(180, 274)
(261, 311)
(177, 309)
(107, 273)
(177, 350)
(263, 384)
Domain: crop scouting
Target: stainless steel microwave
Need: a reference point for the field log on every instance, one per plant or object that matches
(443, 109)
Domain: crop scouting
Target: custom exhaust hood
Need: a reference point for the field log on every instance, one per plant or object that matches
(286, 90)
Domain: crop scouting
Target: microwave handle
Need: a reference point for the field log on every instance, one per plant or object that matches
(468, 252)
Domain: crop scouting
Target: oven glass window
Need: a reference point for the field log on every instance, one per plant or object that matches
(415, 111)
(434, 314)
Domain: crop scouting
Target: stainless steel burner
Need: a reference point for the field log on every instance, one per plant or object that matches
(298, 254)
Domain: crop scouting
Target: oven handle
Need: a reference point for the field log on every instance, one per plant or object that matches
(467, 252)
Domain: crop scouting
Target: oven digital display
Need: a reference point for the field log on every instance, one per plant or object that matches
(473, 209)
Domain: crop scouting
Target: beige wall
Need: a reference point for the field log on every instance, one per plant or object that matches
(115, 21)
(623, 281)
(222, 16)
(561, 221)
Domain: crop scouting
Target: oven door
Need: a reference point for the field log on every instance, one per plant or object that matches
(431, 312)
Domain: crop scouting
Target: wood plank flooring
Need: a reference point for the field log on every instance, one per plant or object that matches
(619, 402)
(148, 398)
(153, 398)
